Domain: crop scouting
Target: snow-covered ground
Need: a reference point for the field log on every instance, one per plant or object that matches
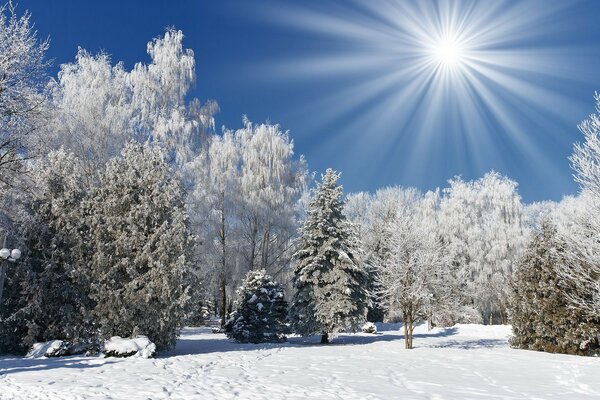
(463, 362)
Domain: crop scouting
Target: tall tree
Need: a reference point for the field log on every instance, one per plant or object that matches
(139, 244)
(483, 231)
(330, 282)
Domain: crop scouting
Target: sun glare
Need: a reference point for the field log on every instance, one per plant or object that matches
(448, 52)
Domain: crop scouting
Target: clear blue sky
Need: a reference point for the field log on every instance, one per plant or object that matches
(356, 86)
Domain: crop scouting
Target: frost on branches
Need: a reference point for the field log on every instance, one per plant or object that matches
(330, 282)
(583, 236)
(139, 241)
(260, 311)
(482, 227)
(540, 314)
(22, 97)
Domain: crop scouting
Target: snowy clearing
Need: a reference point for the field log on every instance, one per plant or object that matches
(463, 362)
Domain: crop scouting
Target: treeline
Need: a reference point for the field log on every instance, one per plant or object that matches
(135, 217)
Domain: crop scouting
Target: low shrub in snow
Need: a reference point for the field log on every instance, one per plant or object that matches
(369, 327)
(260, 311)
(140, 346)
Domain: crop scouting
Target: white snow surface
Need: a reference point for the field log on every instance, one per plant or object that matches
(462, 362)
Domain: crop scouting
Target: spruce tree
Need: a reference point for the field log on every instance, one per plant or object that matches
(260, 311)
(329, 281)
(139, 242)
(540, 313)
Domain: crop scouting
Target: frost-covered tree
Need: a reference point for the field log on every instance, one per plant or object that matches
(482, 228)
(139, 243)
(583, 235)
(98, 107)
(541, 317)
(271, 184)
(22, 81)
(260, 311)
(244, 205)
(411, 274)
(46, 299)
(213, 208)
(330, 282)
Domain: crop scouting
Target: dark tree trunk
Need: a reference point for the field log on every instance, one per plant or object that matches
(325, 338)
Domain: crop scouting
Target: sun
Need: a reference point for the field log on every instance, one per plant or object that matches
(448, 52)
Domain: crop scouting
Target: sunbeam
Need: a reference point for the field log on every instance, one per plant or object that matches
(446, 74)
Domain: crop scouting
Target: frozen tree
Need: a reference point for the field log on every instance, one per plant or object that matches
(271, 184)
(22, 81)
(98, 107)
(330, 283)
(583, 235)
(482, 228)
(139, 245)
(213, 208)
(540, 314)
(412, 272)
(244, 205)
(260, 311)
(92, 110)
(371, 215)
(48, 300)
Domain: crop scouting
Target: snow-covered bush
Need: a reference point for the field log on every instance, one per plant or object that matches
(140, 346)
(369, 327)
(260, 311)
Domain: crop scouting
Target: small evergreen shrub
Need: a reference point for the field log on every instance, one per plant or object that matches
(260, 311)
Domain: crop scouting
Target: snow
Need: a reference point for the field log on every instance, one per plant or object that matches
(44, 349)
(462, 362)
(139, 346)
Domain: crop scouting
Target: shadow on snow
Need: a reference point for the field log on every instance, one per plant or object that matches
(13, 365)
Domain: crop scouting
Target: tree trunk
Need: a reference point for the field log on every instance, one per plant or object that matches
(406, 334)
(223, 300)
(325, 338)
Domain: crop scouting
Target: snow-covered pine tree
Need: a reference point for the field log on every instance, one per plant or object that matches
(330, 283)
(260, 311)
(540, 314)
(139, 243)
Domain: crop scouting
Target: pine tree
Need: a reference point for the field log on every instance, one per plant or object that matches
(139, 241)
(330, 283)
(260, 311)
(540, 312)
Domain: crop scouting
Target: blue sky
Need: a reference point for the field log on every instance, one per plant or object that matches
(359, 88)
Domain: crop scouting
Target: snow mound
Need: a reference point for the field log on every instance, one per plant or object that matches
(369, 327)
(52, 348)
(140, 346)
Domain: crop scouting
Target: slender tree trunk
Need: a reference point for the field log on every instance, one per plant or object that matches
(411, 327)
(223, 300)
(406, 334)
(223, 262)
(325, 338)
